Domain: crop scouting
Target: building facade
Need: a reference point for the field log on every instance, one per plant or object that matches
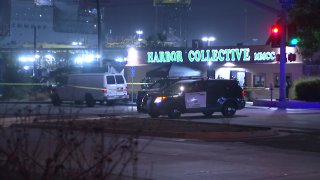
(255, 67)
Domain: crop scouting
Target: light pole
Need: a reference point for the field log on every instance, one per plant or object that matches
(139, 32)
(208, 40)
(99, 33)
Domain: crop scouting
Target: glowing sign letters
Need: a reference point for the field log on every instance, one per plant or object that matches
(213, 55)
(165, 56)
(264, 56)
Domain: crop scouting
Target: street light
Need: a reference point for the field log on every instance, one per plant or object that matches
(139, 32)
(208, 40)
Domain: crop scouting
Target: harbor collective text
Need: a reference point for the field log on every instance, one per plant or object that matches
(214, 55)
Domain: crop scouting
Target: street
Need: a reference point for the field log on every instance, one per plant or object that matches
(251, 115)
(172, 158)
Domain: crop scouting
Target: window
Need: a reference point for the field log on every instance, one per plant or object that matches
(111, 80)
(197, 87)
(119, 79)
(259, 80)
(180, 88)
(277, 79)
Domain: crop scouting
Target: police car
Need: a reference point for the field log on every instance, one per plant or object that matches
(193, 96)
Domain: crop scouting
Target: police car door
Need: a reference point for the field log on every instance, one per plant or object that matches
(196, 97)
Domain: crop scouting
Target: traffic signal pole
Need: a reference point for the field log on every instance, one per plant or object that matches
(283, 61)
(284, 16)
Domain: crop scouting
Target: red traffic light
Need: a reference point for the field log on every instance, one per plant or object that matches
(275, 30)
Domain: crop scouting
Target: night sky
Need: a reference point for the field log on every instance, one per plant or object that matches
(224, 19)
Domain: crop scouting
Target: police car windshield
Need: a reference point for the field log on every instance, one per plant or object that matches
(180, 87)
(163, 83)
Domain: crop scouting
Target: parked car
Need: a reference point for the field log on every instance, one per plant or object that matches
(156, 87)
(192, 96)
(91, 87)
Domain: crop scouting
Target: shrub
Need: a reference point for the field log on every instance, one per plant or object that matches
(308, 89)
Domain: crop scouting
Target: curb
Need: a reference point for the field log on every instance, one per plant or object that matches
(287, 104)
(208, 136)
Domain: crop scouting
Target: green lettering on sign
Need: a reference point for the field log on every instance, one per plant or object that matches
(191, 55)
(213, 55)
(179, 56)
(246, 56)
(227, 51)
(197, 54)
(150, 57)
(221, 51)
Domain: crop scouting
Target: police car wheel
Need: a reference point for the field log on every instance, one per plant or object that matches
(174, 113)
(152, 113)
(228, 109)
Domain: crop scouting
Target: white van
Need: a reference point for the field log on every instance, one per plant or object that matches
(91, 87)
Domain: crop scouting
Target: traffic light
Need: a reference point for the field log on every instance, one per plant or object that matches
(275, 36)
(294, 41)
(292, 35)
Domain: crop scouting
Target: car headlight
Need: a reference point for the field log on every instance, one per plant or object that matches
(159, 99)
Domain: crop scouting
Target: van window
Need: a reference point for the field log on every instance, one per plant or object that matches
(110, 80)
(119, 79)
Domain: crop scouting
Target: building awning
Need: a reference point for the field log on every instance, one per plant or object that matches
(173, 70)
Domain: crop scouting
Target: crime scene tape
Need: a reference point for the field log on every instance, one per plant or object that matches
(79, 87)
(24, 84)
(45, 84)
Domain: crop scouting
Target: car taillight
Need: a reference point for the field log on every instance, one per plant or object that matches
(243, 93)
(104, 90)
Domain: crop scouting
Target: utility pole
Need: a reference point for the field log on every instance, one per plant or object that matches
(99, 49)
(285, 4)
(34, 50)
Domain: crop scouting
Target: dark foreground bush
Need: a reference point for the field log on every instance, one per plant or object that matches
(308, 89)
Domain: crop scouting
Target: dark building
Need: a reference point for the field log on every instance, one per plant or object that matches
(5, 14)
(171, 19)
(75, 16)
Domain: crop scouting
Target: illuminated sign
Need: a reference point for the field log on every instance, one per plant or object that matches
(213, 55)
(165, 56)
(264, 56)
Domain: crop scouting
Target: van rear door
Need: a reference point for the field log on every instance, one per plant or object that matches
(111, 86)
(121, 85)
